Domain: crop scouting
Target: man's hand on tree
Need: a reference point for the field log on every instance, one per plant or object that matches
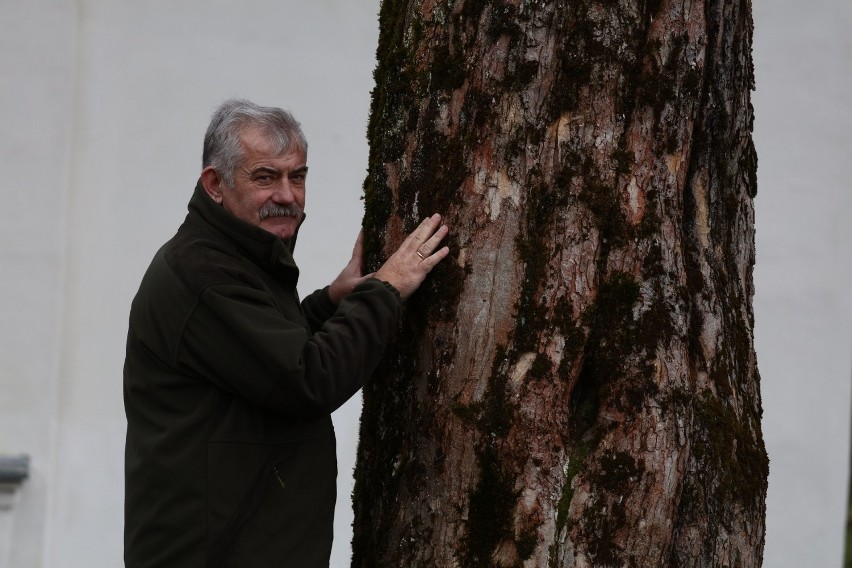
(406, 269)
(352, 275)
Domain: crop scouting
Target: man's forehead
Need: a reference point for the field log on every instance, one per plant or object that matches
(258, 144)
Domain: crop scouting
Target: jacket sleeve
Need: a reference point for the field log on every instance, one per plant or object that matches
(238, 339)
(318, 308)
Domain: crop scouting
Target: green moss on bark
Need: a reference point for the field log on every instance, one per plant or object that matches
(576, 458)
(728, 445)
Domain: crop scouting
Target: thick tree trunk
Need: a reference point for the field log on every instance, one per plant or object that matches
(576, 385)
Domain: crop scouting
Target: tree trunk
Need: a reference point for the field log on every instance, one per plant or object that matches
(576, 385)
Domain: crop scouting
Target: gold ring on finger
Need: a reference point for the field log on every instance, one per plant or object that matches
(420, 254)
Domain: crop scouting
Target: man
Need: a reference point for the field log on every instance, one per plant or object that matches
(229, 380)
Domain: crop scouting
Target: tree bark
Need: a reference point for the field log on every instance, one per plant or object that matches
(576, 386)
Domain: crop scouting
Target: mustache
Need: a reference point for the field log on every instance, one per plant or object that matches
(270, 209)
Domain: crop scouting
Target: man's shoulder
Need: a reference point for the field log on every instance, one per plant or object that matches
(199, 258)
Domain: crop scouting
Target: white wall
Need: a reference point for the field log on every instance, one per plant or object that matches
(803, 305)
(37, 46)
(103, 105)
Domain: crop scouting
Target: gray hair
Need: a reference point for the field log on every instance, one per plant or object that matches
(222, 147)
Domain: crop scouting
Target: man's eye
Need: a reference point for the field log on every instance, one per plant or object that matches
(263, 178)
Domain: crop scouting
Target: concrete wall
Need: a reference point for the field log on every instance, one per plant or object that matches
(102, 108)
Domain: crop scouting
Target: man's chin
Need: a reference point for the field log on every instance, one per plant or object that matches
(281, 227)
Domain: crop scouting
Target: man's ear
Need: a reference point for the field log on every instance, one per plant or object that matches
(212, 183)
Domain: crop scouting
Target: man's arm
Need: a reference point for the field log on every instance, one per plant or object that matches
(240, 341)
(318, 307)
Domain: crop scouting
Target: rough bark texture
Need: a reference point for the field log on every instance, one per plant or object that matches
(576, 386)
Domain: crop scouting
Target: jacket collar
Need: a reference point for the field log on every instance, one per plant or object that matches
(269, 252)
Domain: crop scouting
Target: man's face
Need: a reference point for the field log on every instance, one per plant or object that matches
(269, 190)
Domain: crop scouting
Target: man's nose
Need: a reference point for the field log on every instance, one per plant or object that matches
(284, 192)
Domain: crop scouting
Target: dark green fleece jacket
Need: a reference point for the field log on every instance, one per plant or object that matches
(229, 382)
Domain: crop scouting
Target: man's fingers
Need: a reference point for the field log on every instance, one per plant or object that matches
(432, 260)
(428, 247)
(433, 242)
(425, 230)
(426, 237)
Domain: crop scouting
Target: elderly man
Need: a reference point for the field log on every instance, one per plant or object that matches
(229, 379)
